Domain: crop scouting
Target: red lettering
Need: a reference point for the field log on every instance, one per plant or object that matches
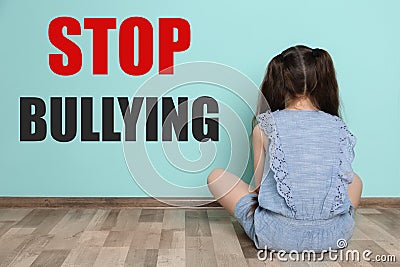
(127, 44)
(68, 47)
(100, 27)
(167, 46)
(145, 46)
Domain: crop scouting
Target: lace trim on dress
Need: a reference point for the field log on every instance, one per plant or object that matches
(277, 158)
(345, 172)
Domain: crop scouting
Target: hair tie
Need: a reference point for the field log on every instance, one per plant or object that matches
(315, 52)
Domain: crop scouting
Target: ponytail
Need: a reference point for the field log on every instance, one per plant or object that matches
(325, 95)
(300, 71)
(272, 92)
(273, 85)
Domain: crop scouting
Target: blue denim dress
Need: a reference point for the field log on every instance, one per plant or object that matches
(303, 202)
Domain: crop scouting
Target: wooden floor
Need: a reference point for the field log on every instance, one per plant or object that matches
(161, 237)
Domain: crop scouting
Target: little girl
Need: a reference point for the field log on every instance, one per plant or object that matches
(306, 191)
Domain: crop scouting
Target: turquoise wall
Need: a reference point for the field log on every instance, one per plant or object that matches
(362, 37)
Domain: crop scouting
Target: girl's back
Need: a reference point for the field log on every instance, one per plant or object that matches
(303, 200)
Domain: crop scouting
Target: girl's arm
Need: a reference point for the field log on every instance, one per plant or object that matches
(260, 142)
(355, 190)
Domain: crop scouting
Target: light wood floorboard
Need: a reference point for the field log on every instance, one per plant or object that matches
(164, 237)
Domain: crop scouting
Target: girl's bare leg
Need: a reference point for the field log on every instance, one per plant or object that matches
(354, 190)
(227, 188)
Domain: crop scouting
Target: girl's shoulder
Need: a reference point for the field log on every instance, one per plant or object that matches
(313, 119)
(302, 119)
(307, 116)
(304, 113)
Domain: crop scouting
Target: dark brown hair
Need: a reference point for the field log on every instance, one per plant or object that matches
(301, 71)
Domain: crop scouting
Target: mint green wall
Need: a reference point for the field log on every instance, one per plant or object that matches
(362, 37)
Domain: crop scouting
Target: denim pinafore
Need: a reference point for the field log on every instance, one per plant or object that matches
(303, 202)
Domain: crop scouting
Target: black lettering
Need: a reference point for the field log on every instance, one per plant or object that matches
(198, 120)
(26, 119)
(171, 118)
(87, 133)
(151, 119)
(130, 115)
(56, 119)
(108, 121)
